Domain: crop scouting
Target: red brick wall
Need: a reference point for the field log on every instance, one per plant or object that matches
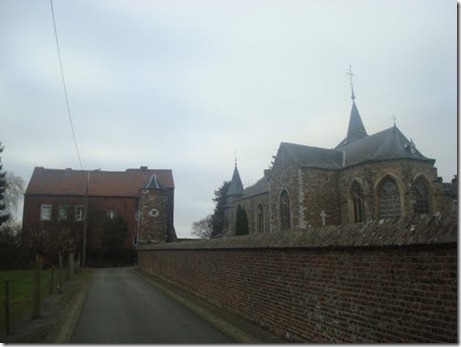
(317, 293)
(123, 206)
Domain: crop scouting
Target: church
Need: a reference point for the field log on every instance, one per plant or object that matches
(365, 177)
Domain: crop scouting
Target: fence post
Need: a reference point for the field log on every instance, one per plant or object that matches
(7, 308)
(37, 286)
(52, 280)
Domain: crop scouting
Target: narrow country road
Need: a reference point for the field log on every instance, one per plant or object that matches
(122, 307)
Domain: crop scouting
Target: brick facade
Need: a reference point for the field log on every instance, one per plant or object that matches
(389, 281)
(106, 196)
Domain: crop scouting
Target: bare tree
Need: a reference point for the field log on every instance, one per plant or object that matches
(203, 228)
(14, 191)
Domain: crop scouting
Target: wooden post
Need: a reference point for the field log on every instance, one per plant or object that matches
(70, 265)
(52, 281)
(60, 273)
(7, 308)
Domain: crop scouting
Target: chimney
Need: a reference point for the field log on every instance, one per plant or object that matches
(144, 168)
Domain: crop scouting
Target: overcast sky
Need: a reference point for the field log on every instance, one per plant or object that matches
(181, 85)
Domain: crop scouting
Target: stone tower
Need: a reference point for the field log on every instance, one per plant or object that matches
(155, 213)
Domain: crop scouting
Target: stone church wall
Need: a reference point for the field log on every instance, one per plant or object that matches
(389, 281)
(318, 188)
(369, 175)
(250, 205)
(284, 176)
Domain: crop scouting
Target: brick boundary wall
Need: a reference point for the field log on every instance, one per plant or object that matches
(380, 281)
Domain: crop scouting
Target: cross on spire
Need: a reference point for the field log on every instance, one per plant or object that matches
(352, 81)
(394, 118)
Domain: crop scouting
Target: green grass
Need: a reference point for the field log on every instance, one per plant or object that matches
(22, 293)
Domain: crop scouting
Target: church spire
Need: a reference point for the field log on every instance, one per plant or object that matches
(235, 186)
(356, 129)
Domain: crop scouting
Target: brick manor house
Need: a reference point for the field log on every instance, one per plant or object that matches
(139, 201)
(364, 177)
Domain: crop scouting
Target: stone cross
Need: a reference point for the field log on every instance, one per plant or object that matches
(323, 215)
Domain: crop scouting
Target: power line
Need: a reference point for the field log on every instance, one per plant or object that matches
(64, 86)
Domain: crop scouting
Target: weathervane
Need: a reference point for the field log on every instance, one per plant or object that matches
(352, 82)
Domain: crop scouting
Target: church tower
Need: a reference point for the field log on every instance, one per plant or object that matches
(234, 192)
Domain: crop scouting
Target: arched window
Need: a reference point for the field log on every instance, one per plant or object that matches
(358, 202)
(389, 199)
(259, 219)
(420, 196)
(284, 210)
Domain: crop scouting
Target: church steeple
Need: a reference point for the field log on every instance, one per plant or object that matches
(235, 186)
(356, 129)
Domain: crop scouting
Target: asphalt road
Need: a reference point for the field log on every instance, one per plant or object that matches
(122, 307)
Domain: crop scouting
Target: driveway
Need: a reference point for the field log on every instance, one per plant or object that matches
(122, 307)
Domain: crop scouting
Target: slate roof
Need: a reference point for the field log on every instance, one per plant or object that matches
(387, 144)
(102, 183)
(235, 186)
(153, 183)
(260, 187)
(308, 156)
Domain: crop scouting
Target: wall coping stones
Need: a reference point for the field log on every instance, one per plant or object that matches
(438, 228)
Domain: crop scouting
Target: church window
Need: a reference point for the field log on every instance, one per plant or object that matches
(284, 210)
(259, 219)
(358, 202)
(389, 199)
(420, 196)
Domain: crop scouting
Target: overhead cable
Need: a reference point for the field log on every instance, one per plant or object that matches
(64, 86)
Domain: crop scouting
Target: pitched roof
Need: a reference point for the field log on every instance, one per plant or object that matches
(356, 129)
(236, 186)
(153, 183)
(307, 156)
(260, 187)
(101, 183)
(387, 144)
